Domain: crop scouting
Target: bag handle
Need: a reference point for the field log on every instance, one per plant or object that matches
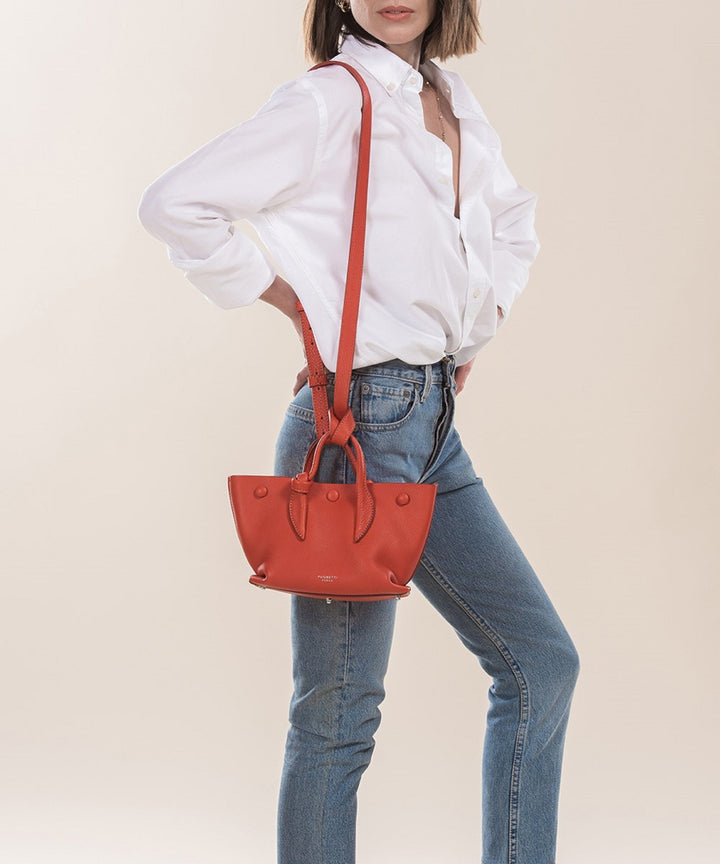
(301, 484)
(341, 424)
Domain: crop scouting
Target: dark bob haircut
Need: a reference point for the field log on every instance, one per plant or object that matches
(454, 30)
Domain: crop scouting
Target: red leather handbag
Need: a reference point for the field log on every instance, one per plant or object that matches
(338, 541)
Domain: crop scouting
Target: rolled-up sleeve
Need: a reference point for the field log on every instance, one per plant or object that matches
(515, 242)
(259, 164)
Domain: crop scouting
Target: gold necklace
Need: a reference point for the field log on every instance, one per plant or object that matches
(437, 97)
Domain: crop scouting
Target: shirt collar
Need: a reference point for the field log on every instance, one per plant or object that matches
(395, 74)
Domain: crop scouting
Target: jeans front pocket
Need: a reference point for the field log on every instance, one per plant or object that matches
(383, 403)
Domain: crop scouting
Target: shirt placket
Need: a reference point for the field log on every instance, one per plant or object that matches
(476, 289)
(478, 277)
(477, 283)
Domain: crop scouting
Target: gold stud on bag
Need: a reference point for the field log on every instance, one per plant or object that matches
(337, 541)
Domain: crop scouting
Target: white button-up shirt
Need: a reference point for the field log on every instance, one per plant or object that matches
(431, 282)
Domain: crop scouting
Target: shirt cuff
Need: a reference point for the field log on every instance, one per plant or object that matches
(235, 275)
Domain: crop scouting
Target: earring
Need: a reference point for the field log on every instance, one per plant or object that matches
(343, 5)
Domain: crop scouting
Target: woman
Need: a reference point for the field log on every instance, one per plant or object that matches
(450, 239)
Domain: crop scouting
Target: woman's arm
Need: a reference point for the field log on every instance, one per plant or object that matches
(281, 295)
(258, 164)
(515, 242)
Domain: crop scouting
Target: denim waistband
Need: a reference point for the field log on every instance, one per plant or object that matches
(439, 372)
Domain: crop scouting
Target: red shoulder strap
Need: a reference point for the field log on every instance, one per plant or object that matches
(341, 424)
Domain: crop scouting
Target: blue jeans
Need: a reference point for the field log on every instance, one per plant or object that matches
(477, 577)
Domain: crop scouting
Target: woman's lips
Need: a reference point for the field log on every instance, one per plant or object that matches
(400, 15)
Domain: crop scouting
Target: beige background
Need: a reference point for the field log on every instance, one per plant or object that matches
(145, 683)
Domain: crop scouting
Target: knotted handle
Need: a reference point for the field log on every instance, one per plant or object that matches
(301, 484)
(336, 426)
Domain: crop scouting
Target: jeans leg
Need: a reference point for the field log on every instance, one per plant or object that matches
(475, 574)
(341, 652)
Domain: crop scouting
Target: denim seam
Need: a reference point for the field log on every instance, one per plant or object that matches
(524, 699)
(346, 670)
(342, 691)
(440, 436)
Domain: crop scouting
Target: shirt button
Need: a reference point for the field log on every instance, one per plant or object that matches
(414, 79)
(476, 293)
(391, 86)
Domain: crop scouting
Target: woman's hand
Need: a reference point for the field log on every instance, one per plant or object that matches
(300, 379)
(461, 375)
(462, 372)
(281, 295)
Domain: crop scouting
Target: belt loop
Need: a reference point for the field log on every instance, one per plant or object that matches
(428, 381)
(448, 367)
